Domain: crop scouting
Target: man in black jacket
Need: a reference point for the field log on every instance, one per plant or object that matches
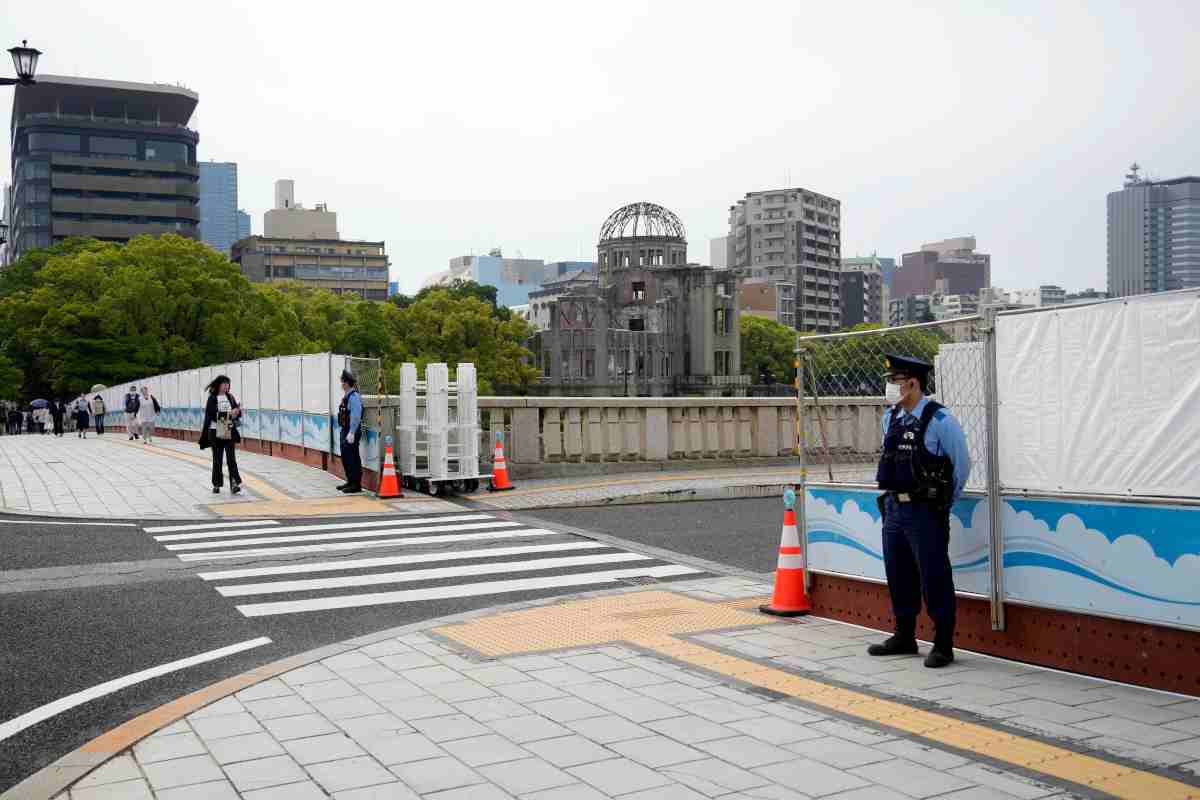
(132, 404)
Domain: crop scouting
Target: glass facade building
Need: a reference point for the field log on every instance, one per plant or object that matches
(1154, 236)
(243, 224)
(219, 205)
(100, 158)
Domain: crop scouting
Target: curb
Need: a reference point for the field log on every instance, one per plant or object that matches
(55, 778)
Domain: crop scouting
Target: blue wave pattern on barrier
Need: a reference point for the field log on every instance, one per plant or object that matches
(1148, 554)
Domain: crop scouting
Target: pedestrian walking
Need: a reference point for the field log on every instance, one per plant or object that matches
(81, 418)
(922, 471)
(148, 410)
(220, 432)
(14, 421)
(98, 411)
(57, 411)
(132, 404)
(349, 419)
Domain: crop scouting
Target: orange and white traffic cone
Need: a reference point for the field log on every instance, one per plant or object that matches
(789, 599)
(500, 481)
(389, 484)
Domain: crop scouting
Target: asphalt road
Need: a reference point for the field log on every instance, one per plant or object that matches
(743, 534)
(81, 605)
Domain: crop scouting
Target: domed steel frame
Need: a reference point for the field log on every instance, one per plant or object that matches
(642, 220)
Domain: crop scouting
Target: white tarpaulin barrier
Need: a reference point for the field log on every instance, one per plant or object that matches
(1102, 399)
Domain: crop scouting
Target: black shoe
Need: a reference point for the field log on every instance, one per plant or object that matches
(352, 490)
(938, 658)
(896, 645)
(235, 487)
(216, 490)
(343, 487)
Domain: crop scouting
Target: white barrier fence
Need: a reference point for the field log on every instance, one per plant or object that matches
(291, 400)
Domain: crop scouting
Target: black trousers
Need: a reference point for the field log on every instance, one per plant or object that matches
(224, 448)
(99, 423)
(916, 557)
(58, 426)
(351, 458)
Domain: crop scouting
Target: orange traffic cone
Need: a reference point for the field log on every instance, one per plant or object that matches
(389, 484)
(789, 599)
(500, 481)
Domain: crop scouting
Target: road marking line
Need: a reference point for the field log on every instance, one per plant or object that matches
(207, 525)
(370, 544)
(53, 521)
(330, 526)
(326, 537)
(431, 574)
(386, 561)
(467, 590)
(42, 713)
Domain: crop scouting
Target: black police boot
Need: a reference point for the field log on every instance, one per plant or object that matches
(342, 487)
(942, 652)
(902, 643)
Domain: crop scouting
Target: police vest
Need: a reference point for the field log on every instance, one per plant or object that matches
(907, 466)
(343, 416)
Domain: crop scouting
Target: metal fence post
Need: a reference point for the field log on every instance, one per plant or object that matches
(992, 411)
(802, 488)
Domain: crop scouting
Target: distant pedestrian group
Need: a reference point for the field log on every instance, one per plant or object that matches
(141, 413)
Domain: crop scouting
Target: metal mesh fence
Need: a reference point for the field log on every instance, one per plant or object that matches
(843, 390)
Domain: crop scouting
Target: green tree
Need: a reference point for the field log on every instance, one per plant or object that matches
(768, 350)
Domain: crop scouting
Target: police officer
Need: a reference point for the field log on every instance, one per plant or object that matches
(922, 471)
(349, 419)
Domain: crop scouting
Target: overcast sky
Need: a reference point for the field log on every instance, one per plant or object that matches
(450, 128)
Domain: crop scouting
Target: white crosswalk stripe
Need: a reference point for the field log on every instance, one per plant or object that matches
(449, 556)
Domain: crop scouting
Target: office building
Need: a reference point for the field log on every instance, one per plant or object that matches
(291, 220)
(772, 294)
(651, 325)
(799, 230)
(219, 221)
(1085, 296)
(910, 309)
(514, 278)
(343, 267)
(718, 252)
(1041, 296)
(863, 291)
(101, 158)
(950, 266)
(243, 224)
(950, 306)
(1153, 235)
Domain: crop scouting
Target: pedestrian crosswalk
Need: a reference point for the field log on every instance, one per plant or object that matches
(316, 566)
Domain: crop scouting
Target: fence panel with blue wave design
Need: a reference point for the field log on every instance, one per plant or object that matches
(1122, 559)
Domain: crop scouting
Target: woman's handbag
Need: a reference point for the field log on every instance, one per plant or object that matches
(223, 427)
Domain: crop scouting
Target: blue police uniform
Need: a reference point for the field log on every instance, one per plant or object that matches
(349, 421)
(924, 465)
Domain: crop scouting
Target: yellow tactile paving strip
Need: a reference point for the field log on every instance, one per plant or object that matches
(655, 619)
(303, 508)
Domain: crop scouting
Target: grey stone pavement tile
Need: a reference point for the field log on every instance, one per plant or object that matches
(286, 728)
(391, 750)
(775, 730)
(746, 752)
(530, 728)
(453, 726)
(572, 791)
(436, 774)
(527, 775)
(182, 771)
(911, 778)
(836, 752)
(168, 747)
(1010, 784)
(608, 728)
(121, 768)
(244, 748)
(691, 729)
(383, 791)
(481, 750)
(657, 751)
(349, 773)
(817, 779)
(292, 791)
(216, 790)
(492, 708)
(620, 776)
(330, 747)
(124, 790)
(571, 751)
(263, 772)
(1054, 712)
(1127, 729)
(226, 725)
(714, 777)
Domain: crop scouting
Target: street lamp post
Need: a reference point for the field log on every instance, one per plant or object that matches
(25, 60)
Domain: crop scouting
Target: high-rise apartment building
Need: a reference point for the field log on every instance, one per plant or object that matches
(1041, 296)
(863, 291)
(910, 309)
(950, 266)
(797, 229)
(219, 204)
(1153, 235)
(718, 252)
(101, 158)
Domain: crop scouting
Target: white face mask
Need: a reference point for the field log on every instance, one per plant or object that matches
(892, 394)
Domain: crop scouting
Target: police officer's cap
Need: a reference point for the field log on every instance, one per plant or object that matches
(906, 365)
(349, 378)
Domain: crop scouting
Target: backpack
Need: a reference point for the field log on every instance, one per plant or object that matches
(131, 403)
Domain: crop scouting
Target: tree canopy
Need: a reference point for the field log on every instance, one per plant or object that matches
(84, 312)
(768, 350)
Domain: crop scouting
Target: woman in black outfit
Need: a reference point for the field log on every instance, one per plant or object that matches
(220, 432)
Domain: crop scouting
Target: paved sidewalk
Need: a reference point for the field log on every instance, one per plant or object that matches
(671, 692)
(647, 487)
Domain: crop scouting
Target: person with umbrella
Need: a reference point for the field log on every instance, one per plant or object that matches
(38, 415)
